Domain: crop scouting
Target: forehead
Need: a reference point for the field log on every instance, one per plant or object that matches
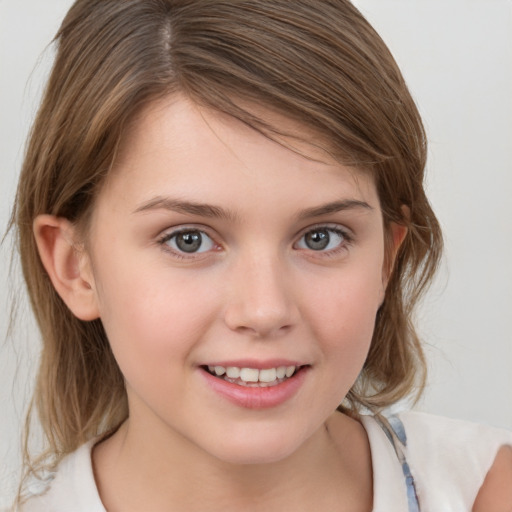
(178, 147)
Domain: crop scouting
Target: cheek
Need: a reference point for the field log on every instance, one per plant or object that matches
(344, 310)
(150, 314)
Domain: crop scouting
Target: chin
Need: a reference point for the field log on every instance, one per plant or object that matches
(255, 450)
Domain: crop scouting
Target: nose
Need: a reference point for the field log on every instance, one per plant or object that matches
(261, 297)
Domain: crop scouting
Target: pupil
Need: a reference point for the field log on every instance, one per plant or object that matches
(317, 240)
(189, 241)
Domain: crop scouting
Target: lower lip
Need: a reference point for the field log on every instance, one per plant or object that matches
(256, 397)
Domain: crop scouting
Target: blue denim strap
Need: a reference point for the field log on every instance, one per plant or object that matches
(395, 432)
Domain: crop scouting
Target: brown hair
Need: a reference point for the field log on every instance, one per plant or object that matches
(317, 61)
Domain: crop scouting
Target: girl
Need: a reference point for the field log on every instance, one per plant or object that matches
(223, 231)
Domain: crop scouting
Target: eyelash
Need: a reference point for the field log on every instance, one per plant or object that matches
(347, 240)
(163, 241)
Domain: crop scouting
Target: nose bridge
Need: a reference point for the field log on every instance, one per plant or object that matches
(261, 300)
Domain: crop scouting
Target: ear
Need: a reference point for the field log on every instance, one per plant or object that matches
(67, 265)
(395, 236)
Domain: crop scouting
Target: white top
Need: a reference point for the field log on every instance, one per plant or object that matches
(448, 461)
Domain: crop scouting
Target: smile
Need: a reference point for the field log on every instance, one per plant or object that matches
(255, 388)
(253, 377)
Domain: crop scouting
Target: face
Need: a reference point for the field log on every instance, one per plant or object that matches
(237, 280)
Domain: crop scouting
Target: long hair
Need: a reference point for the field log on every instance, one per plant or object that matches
(318, 62)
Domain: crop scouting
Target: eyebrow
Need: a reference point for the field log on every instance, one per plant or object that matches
(335, 206)
(211, 211)
(187, 207)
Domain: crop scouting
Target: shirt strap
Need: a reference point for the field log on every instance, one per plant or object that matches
(395, 432)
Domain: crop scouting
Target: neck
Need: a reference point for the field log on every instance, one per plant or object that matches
(325, 473)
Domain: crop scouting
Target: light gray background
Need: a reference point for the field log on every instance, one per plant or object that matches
(457, 58)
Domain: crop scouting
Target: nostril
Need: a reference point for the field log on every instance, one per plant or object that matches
(263, 331)
(259, 322)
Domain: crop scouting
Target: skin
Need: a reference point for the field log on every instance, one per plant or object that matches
(495, 495)
(255, 294)
(254, 291)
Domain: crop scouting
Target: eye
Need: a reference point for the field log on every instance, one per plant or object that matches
(322, 239)
(189, 241)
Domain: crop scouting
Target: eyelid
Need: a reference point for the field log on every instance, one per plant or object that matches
(345, 232)
(332, 226)
(170, 233)
(180, 228)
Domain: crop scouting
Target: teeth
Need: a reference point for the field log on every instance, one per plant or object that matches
(233, 372)
(264, 377)
(268, 375)
(249, 374)
(219, 370)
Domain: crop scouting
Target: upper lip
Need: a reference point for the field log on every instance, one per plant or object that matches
(253, 363)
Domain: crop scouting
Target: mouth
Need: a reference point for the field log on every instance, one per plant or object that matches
(254, 377)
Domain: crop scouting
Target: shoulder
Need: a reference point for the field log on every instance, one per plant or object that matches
(71, 487)
(495, 495)
(442, 427)
(457, 459)
(437, 438)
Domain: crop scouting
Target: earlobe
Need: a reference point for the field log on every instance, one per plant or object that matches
(67, 266)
